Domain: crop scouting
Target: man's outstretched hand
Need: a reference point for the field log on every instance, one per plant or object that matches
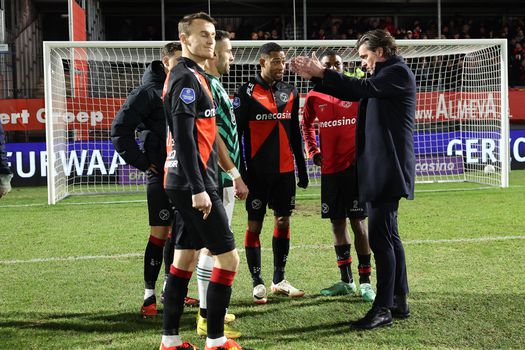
(307, 67)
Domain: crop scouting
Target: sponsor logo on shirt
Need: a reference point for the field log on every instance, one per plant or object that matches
(323, 106)
(273, 116)
(338, 122)
(187, 95)
(346, 104)
(209, 113)
(250, 88)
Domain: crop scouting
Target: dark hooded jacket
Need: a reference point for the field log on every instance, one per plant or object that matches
(143, 112)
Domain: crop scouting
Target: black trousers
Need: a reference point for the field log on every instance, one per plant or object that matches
(388, 251)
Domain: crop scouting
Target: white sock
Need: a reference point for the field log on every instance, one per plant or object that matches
(204, 270)
(148, 293)
(215, 342)
(171, 340)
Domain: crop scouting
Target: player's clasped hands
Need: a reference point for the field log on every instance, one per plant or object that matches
(201, 201)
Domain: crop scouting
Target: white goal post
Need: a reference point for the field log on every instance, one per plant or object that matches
(461, 133)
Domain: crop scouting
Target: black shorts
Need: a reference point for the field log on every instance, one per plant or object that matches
(339, 196)
(159, 207)
(275, 190)
(193, 232)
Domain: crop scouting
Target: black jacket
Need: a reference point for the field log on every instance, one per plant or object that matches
(385, 127)
(143, 111)
(4, 168)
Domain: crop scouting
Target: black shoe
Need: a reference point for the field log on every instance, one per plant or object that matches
(376, 317)
(400, 308)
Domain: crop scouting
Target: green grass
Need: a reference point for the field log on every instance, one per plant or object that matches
(464, 249)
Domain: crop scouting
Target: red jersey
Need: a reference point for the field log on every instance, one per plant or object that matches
(337, 124)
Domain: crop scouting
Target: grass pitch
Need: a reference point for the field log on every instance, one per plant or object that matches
(71, 275)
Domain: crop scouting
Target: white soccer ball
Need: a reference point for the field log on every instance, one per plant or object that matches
(489, 169)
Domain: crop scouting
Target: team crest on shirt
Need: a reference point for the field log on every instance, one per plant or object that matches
(284, 97)
(236, 102)
(187, 95)
(325, 208)
(346, 104)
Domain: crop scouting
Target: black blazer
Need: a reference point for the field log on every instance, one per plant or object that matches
(385, 127)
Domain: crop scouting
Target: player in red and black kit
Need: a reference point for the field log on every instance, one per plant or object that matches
(266, 110)
(337, 122)
(191, 184)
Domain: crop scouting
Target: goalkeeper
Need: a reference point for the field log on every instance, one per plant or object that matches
(143, 112)
(337, 121)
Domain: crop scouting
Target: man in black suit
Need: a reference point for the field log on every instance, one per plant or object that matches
(385, 158)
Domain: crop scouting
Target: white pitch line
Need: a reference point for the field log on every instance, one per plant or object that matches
(311, 246)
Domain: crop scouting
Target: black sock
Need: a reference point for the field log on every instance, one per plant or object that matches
(174, 294)
(364, 268)
(203, 312)
(152, 261)
(344, 261)
(169, 250)
(252, 246)
(218, 300)
(281, 248)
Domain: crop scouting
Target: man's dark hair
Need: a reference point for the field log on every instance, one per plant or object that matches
(267, 48)
(185, 22)
(328, 52)
(377, 38)
(170, 48)
(221, 35)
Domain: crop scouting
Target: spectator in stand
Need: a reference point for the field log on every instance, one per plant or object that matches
(254, 36)
(416, 33)
(275, 35)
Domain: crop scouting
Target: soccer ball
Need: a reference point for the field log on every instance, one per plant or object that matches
(489, 169)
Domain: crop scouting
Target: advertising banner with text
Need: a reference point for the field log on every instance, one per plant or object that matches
(98, 113)
(447, 154)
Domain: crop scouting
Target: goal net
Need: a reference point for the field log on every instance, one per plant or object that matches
(461, 131)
